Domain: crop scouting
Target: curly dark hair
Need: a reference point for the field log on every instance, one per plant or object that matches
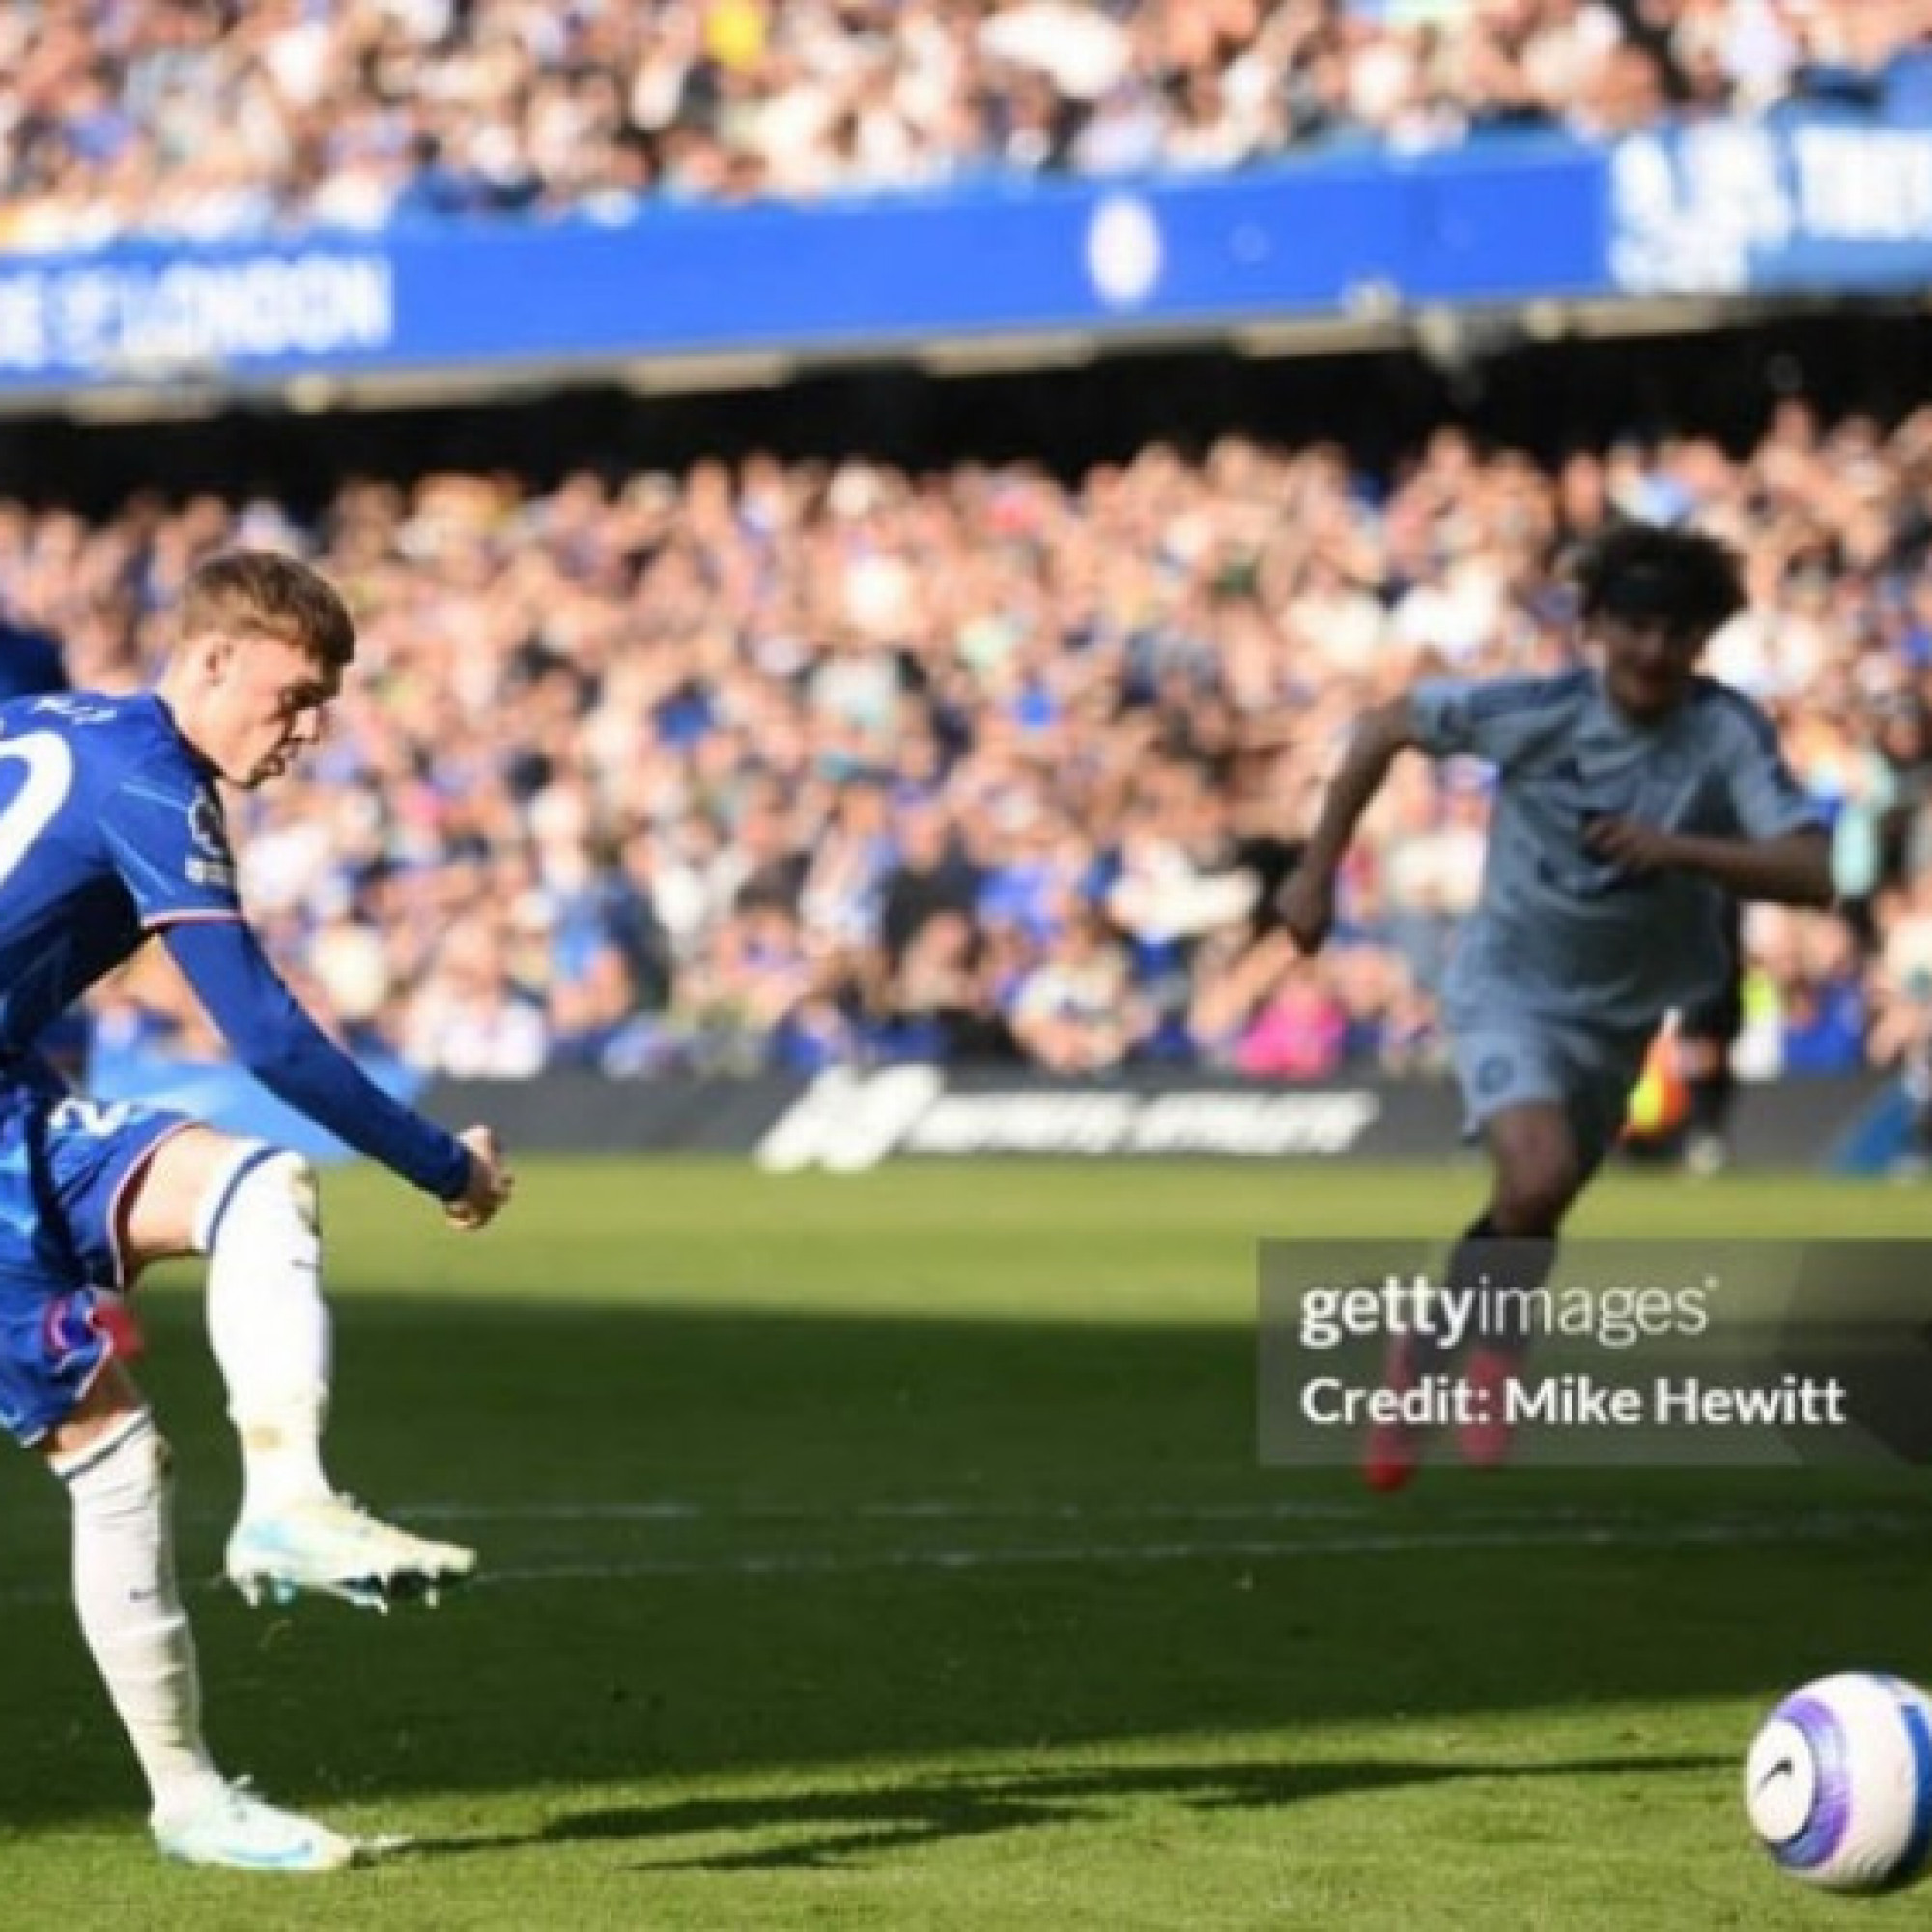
(1643, 569)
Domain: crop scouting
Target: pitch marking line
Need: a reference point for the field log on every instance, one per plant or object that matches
(1575, 1532)
(827, 1563)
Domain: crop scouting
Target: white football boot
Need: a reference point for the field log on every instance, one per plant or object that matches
(331, 1547)
(240, 1832)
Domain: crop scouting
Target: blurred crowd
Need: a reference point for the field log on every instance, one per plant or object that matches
(796, 765)
(204, 119)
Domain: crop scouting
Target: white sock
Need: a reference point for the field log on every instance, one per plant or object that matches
(267, 1322)
(130, 1609)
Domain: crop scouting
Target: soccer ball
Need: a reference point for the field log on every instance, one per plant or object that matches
(1838, 1783)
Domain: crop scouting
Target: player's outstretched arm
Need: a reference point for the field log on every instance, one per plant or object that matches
(289, 1054)
(1307, 899)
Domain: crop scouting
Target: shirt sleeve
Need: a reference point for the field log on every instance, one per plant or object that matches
(1491, 719)
(297, 1061)
(1768, 800)
(169, 842)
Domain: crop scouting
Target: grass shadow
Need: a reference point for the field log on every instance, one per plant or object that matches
(723, 1541)
(837, 1826)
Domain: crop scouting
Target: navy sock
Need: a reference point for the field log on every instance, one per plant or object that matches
(1487, 1261)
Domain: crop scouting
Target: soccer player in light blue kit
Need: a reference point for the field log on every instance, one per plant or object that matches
(1630, 799)
(112, 832)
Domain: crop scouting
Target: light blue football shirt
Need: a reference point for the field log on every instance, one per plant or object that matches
(1560, 934)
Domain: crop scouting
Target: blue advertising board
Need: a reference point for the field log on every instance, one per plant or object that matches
(1490, 223)
(1827, 205)
(1719, 208)
(226, 1097)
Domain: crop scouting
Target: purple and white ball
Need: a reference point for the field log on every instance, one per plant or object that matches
(1838, 1783)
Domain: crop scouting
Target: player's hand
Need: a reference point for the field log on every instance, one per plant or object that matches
(491, 1182)
(1306, 903)
(1633, 846)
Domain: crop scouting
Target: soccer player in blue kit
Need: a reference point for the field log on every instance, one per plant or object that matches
(1630, 798)
(111, 833)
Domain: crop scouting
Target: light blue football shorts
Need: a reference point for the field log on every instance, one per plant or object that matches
(1503, 1062)
(66, 1166)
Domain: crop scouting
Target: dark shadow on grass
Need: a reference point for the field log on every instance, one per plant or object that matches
(1121, 1575)
(840, 1826)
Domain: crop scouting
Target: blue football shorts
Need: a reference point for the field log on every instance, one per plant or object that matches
(65, 1169)
(1508, 1062)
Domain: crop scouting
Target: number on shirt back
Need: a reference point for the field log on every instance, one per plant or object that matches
(47, 777)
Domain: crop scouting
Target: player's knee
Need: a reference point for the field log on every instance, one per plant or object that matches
(150, 1458)
(130, 1455)
(287, 1181)
(264, 1192)
(1534, 1192)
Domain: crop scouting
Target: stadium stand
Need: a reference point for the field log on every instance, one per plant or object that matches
(802, 760)
(793, 763)
(170, 120)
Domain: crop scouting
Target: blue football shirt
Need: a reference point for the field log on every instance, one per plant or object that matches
(111, 830)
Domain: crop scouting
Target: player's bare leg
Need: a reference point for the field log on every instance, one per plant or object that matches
(251, 1209)
(1538, 1175)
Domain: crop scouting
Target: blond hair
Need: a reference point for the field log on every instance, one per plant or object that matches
(263, 590)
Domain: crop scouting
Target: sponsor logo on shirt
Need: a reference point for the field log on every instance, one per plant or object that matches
(205, 828)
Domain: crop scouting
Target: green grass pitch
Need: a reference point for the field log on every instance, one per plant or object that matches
(890, 1551)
